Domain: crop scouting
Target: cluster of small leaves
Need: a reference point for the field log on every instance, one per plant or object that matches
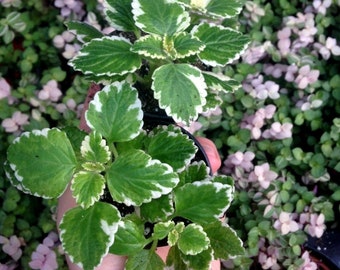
(172, 40)
(151, 172)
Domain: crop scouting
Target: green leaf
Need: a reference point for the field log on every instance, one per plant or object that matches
(197, 171)
(164, 19)
(186, 45)
(94, 148)
(202, 202)
(224, 240)
(174, 259)
(13, 180)
(162, 229)
(144, 260)
(193, 240)
(84, 32)
(181, 91)
(149, 46)
(219, 82)
(173, 236)
(223, 45)
(213, 101)
(129, 239)
(43, 162)
(200, 261)
(158, 209)
(119, 14)
(115, 112)
(106, 56)
(225, 8)
(87, 187)
(135, 178)
(171, 147)
(87, 234)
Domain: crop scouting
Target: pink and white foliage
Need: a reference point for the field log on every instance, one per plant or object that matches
(12, 246)
(307, 263)
(263, 175)
(285, 223)
(50, 92)
(15, 123)
(278, 131)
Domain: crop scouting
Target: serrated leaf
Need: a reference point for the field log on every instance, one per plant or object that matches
(197, 171)
(76, 137)
(175, 233)
(223, 45)
(202, 202)
(173, 148)
(144, 260)
(162, 229)
(83, 31)
(149, 46)
(87, 234)
(129, 239)
(225, 8)
(213, 101)
(181, 91)
(158, 209)
(219, 82)
(186, 45)
(135, 178)
(43, 161)
(87, 187)
(11, 177)
(224, 240)
(200, 261)
(193, 240)
(108, 56)
(94, 148)
(164, 19)
(119, 14)
(115, 112)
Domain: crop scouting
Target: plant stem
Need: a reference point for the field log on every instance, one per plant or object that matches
(114, 150)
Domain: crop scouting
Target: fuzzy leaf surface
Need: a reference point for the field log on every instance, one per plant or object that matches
(84, 32)
(119, 14)
(149, 46)
(115, 112)
(181, 91)
(108, 56)
(43, 162)
(223, 45)
(171, 147)
(87, 234)
(145, 260)
(135, 178)
(129, 238)
(202, 202)
(164, 19)
(224, 240)
(193, 240)
(87, 187)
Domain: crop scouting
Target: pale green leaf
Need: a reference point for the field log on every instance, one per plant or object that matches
(219, 82)
(224, 240)
(145, 260)
(223, 45)
(175, 233)
(213, 101)
(83, 31)
(197, 171)
(129, 238)
(119, 14)
(181, 91)
(171, 147)
(158, 209)
(43, 162)
(202, 202)
(115, 112)
(225, 8)
(87, 187)
(149, 46)
(134, 178)
(87, 234)
(94, 148)
(162, 229)
(165, 18)
(106, 56)
(193, 240)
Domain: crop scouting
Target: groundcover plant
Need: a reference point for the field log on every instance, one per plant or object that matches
(167, 47)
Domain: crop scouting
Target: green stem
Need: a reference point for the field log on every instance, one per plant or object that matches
(114, 150)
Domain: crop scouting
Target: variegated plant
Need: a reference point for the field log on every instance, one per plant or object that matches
(152, 172)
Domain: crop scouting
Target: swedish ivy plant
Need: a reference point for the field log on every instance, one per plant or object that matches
(136, 186)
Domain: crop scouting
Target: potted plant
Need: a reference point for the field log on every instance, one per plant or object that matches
(163, 50)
